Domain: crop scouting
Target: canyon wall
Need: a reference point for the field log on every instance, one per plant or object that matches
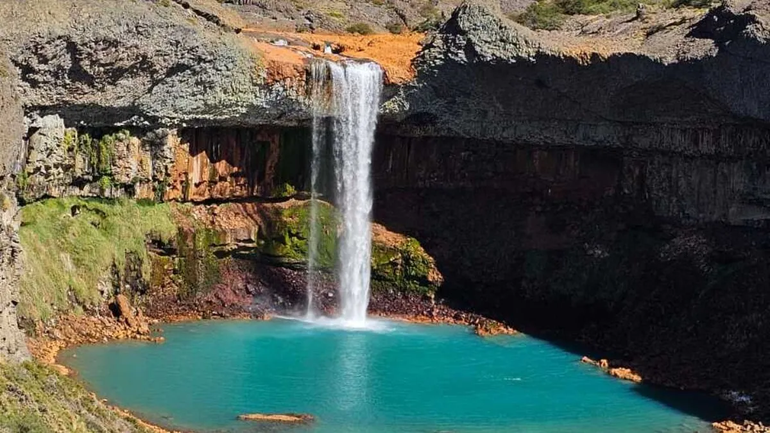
(617, 198)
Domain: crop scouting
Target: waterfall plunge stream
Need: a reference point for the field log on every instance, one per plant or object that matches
(346, 99)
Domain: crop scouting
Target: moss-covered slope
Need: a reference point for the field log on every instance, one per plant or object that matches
(35, 399)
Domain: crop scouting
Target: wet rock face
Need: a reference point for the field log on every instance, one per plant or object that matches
(239, 163)
(65, 162)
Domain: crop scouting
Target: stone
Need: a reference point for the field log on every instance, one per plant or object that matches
(625, 374)
(289, 418)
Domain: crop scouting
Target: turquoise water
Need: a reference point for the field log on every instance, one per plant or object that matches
(403, 378)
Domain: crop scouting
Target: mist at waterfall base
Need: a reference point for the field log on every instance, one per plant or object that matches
(348, 94)
(406, 378)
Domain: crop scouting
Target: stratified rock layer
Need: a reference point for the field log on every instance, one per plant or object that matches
(12, 343)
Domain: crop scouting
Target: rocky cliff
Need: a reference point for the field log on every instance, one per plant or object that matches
(12, 343)
(139, 63)
(616, 196)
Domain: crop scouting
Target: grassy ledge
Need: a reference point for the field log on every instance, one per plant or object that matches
(72, 244)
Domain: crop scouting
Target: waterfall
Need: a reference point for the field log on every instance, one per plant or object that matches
(354, 98)
(318, 76)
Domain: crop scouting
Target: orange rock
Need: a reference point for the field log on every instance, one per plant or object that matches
(291, 418)
(625, 374)
(124, 311)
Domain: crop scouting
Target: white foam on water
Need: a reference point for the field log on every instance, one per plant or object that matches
(333, 323)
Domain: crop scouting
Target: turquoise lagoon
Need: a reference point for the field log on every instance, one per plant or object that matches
(398, 377)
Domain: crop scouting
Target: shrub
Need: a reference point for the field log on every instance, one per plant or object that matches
(336, 15)
(550, 14)
(428, 11)
(541, 16)
(594, 7)
(105, 185)
(395, 27)
(692, 3)
(70, 139)
(360, 28)
(284, 190)
(22, 180)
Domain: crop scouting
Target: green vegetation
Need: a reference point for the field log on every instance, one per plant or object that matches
(541, 15)
(100, 153)
(360, 28)
(37, 400)
(70, 139)
(197, 267)
(71, 245)
(395, 27)
(160, 190)
(337, 15)
(22, 180)
(286, 235)
(105, 184)
(284, 190)
(551, 14)
(405, 266)
(429, 11)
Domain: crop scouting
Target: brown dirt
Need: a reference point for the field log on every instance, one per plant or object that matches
(282, 64)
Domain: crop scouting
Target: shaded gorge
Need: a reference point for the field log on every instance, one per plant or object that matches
(394, 377)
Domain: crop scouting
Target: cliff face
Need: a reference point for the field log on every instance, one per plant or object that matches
(618, 198)
(139, 63)
(484, 77)
(12, 343)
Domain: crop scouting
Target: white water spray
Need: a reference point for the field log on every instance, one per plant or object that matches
(355, 99)
(318, 74)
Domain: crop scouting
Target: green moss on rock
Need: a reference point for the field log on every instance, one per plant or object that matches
(405, 267)
(37, 400)
(287, 232)
(197, 266)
